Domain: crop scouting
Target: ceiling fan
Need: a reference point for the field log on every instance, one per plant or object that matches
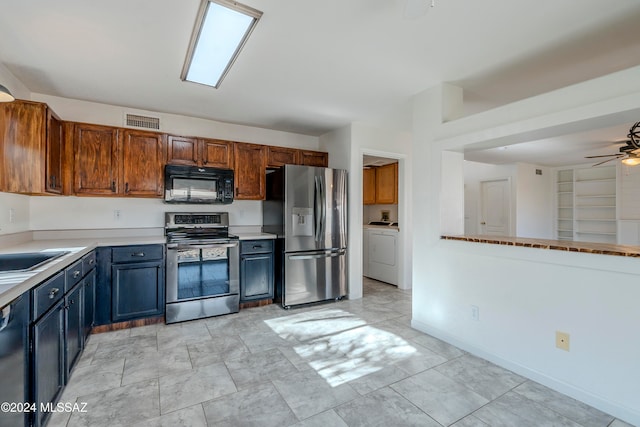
(629, 153)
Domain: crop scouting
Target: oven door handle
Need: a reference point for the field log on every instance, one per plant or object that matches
(203, 246)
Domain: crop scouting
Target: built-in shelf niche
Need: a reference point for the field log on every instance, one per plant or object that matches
(586, 201)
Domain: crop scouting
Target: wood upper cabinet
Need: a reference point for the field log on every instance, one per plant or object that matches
(280, 156)
(143, 162)
(216, 153)
(182, 150)
(314, 158)
(369, 186)
(55, 154)
(96, 160)
(31, 148)
(380, 185)
(250, 171)
(387, 184)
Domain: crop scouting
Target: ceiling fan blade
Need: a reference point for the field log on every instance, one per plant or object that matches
(605, 161)
(604, 155)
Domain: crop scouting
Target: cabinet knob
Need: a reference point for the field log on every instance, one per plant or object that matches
(53, 292)
(483, 223)
(76, 274)
(138, 254)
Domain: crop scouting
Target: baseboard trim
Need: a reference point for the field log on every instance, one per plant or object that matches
(623, 413)
(127, 325)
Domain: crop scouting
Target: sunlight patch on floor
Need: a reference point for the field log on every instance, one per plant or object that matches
(340, 346)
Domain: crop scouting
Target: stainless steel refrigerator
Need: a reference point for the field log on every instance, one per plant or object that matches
(306, 207)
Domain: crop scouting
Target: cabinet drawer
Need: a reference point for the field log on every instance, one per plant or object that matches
(137, 253)
(256, 246)
(47, 294)
(88, 262)
(74, 274)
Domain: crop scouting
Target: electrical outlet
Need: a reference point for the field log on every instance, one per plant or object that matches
(562, 340)
(117, 214)
(475, 312)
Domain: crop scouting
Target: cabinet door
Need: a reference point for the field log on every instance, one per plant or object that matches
(142, 163)
(55, 154)
(22, 147)
(279, 156)
(74, 336)
(369, 186)
(137, 290)
(256, 277)
(48, 359)
(250, 171)
(314, 158)
(182, 150)
(96, 162)
(102, 314)
(88, 304)
(387, 184)
(216, 153)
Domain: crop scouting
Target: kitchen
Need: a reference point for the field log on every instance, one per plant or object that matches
(32, 213)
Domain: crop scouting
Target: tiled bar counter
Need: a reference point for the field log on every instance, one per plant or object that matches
(557, 245)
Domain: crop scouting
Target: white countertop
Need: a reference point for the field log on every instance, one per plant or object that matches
(255, 236)
(383, 227)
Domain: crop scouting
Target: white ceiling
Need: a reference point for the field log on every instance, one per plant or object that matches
(312, 66)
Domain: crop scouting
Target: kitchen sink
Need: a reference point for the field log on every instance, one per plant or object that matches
(27, 261)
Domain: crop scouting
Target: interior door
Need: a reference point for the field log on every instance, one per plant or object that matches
(496, 207)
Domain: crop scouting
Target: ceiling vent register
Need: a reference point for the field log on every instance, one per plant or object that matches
(141, 122)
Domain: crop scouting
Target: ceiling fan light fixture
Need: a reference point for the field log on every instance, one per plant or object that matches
(5, 95)
(632, 160)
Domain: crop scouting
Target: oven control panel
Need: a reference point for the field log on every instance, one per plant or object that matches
(187, 219)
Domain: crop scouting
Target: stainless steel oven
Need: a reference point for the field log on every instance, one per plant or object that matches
(202, 266)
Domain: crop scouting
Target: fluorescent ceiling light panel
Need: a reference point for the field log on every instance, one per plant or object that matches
(222, 28)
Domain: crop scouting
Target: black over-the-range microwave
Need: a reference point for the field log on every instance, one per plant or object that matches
(193, 184)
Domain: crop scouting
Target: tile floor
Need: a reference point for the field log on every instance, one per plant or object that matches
(350, 363)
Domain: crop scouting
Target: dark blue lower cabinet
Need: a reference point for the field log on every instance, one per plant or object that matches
(74, 331)
(48, 360)
(89, 303)
(256, 270)
(137, 290)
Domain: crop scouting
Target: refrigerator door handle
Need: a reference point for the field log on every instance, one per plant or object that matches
(323, 208)
(319, 255)
(317, 203)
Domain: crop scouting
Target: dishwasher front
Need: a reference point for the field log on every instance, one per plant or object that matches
(14, 323)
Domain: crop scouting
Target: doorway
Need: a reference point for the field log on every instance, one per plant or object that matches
(381, 233)
(495, 201)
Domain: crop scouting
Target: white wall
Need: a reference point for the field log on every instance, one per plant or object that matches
(474, 174)
(531, 197)
(535, 202)
(19, 206)
(526, 294)
(15, 86)
(69, 213)
(374, 212)
(112, 115)
(346, 147)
